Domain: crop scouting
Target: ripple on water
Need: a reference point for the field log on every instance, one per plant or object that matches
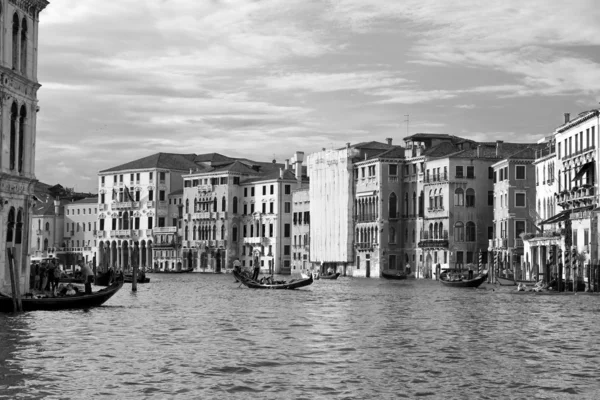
(201, 336)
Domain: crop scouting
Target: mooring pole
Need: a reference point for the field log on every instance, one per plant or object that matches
(134, 280)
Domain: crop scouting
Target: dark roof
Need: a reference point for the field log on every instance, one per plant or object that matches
(177, 192)
(394, 152)
(159, 160)
(443, 149)
(373, 145)
(211, 158)
(45, 205)
(236, 166)
(417, 137)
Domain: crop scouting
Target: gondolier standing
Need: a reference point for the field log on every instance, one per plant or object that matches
(88, 277)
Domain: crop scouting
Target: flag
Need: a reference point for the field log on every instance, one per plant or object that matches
(128, 194)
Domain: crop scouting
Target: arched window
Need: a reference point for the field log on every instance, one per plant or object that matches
(186, 233)
(194, 233)
(187, 206)
(435, 200)
(470, 198)
(393, 205)
(214, 231)
(441, 231)
(441, 200)
(223, 232)
(435, 230)
(235, 205)
(38, 243)
(459, 232)
(24, 47)
(14, 117)
(405, 202)
(125, 221)
(431, 194)
(392, 235)
(223, 204)
(430, 233)
(15, 42)
(215, 206)
(414, 205)
(459, 197)
(19, 230)
(195, 204)
(471, 232)
(46, 244)
(47, 226)
(234, 233)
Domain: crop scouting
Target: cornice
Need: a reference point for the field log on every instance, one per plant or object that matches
(591, 114)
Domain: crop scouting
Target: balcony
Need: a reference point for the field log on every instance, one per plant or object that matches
(257, 240)
(431, 239)
(150, 204)
(364, 218)
(222, 243)
(518, 244)
(121, 233)
(576, 197)
(125, 205)
(204, 188)
(148, 232)
(364, 246)
(165, 229)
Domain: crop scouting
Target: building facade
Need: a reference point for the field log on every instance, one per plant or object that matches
(301, 230)
(19, 23)
(80, 238)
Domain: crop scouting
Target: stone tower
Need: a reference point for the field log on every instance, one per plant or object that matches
(19, 20)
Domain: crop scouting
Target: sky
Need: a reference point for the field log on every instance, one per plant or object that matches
(262, 79)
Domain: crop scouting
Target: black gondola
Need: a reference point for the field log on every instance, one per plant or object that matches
(460, 281)
(393, 274)
(293, 284)
(78, 301)
(332, 276)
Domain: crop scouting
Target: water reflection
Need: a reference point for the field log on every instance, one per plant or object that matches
(202, 336)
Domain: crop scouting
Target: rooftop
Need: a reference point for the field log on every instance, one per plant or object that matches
(171, 161)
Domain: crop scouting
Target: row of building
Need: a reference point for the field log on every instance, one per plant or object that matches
(437, 201)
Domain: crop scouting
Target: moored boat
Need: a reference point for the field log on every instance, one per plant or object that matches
(510, 281)
(78, 301)
(331, 276)
(459, 280)
(293, 284)
(393, 274)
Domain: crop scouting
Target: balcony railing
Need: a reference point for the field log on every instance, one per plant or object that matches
(204, 188)
(165, 229)
(122, 205)
(426, 235)
(150, 204)
(518, 243)
(364, 245)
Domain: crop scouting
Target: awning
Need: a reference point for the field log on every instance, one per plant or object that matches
(561, 216)
(584, 168)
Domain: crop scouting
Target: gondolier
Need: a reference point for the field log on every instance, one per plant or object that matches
(88, 277)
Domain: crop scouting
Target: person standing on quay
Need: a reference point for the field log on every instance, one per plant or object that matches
(88, 277)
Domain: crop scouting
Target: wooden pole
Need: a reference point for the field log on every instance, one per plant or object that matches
(134, 280)
(14, 280)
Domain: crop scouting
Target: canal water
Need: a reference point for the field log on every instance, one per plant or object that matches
(194, 336)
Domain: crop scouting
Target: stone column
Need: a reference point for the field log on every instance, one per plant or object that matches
(110, 255)
(139, 255)
(121, 257)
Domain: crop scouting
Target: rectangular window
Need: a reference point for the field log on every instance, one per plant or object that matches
(114, 178)
(251, 191)
(271, 205)
(149, 222)
(102, 180)
(288, 189)
(102, 198)
(459, 171)
(519, 172)
(120, 178)
(264, 208)
(587, 137)
(362, 172)
(251, 208)
(593, 136)
(491, 198)
(287, 207)
(130, 177)
(519, 228)
(161, 222)
(287, 230)
(586, 237)
(272, 189)
(459, 258)
(469, 257)
(245, 192)
(286, 250)
(162, 177)
(150, 195)
(490, 232)
(161, 195)
(490, 173)
(558, 152)
(270, 230)
(264, 190)
(470, 171)
(574, 233)
(393, 170)
(245, 209)
(520, 199)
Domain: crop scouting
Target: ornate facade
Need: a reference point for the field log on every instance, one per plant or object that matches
(19, 21)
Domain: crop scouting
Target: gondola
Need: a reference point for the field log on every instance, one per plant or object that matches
(174, 271)
(293, 284)
(395, 275)
(332, 276)
(461, 282)
(78, 301)
(507, 281)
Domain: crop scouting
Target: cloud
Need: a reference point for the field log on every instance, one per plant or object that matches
(331, 82)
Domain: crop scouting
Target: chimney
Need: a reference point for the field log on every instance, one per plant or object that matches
(498, 147)
(190, 170)
(567, 117)
(478, 151)
(298, 158)
(280, 173)
(389, 140)
(348, 145)
(287, 164)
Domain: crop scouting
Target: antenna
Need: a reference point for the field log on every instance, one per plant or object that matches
(407, 120)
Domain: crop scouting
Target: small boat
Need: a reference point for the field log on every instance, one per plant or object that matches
(393, 274)
(332, 276)
(293, 284)
(174, 271)
(458, 280)
(510, 281)
(78, 301)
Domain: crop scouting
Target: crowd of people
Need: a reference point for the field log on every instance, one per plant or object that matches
(45, 277)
